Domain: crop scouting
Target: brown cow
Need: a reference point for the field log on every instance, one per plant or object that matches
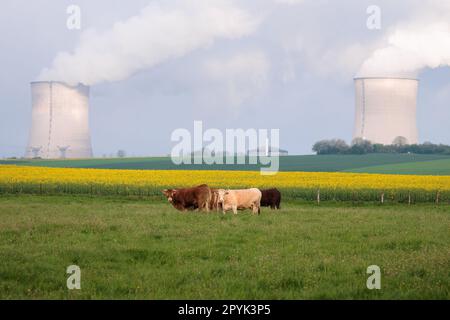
(190, 199)
(271, 198)
(240, 200)
(215, 204)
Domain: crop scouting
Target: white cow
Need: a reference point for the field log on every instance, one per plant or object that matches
(240, 200)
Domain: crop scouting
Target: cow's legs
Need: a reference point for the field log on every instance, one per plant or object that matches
(255, 209)
(235, 209)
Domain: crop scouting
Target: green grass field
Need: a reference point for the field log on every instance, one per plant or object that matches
(435, 167)
(135, 248)
(372, 163)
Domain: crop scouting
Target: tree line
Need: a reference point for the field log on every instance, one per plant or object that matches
(362, 146)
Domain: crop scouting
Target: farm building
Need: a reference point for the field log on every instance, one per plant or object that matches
(270, 151)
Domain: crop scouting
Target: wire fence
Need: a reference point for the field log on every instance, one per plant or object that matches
(317, 195)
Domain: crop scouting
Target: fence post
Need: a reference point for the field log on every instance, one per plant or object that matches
(318, 196)
(437, 197)
(409, 198)
(382, 198)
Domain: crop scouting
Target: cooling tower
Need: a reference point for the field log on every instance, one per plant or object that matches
(386, 109)
(60, 121)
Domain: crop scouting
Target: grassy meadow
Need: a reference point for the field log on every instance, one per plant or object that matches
(131, 248)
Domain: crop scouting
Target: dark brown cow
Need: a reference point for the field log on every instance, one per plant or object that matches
(271, 198)
(190, 199)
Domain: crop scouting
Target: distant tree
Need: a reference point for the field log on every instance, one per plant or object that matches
(400, 141)
(121, 154)
(320, 147)
(334, 146)
(361, 146)
(381, 148)
(340, 145)
(358, 141)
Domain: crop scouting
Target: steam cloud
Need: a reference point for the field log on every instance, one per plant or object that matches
(411, 48)
(159, 33)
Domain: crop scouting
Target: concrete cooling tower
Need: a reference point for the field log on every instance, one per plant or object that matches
(60, 121)
(386, 109)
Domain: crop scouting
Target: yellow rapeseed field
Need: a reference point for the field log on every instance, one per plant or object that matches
(226, 179)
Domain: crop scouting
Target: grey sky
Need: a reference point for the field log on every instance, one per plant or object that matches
(293, 72)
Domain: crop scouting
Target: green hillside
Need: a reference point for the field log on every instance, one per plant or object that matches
(436, 167)
(372, 163)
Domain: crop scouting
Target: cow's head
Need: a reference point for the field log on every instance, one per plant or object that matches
(221, 193)
(169, 193)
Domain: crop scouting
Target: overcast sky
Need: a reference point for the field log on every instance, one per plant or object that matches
(281, 64)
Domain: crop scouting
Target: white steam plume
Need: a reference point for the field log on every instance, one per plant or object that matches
(411, 47)
(159, 33)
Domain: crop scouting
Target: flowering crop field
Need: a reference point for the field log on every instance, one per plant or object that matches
(302, 185)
